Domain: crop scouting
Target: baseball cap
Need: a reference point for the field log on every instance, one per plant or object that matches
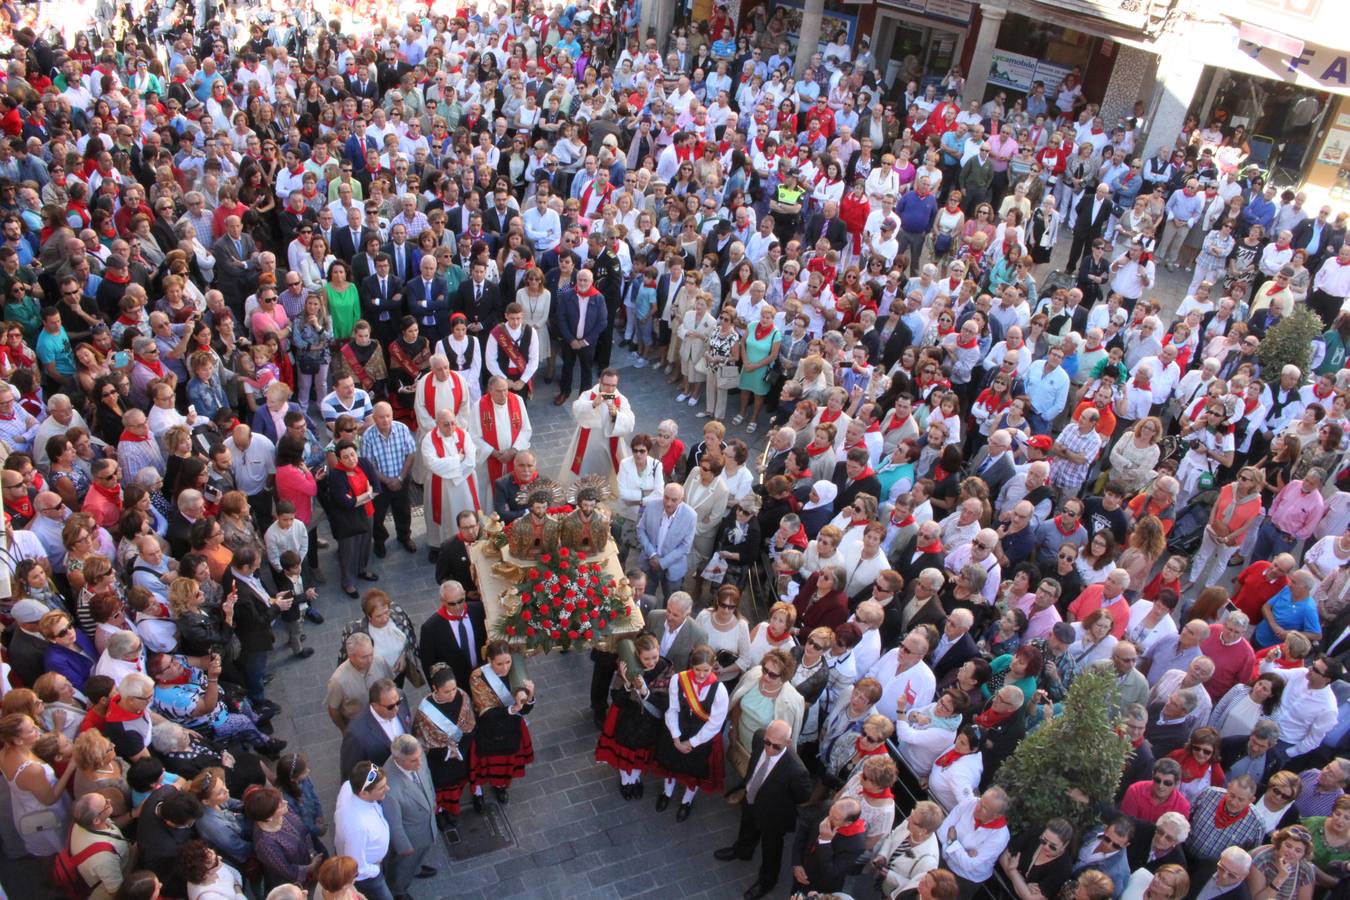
(1041, 442)
(28, 611)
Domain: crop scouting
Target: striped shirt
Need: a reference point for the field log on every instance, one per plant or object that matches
(1207, 840)
(1069, 476)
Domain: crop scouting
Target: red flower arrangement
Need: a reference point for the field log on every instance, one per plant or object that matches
(564, 602)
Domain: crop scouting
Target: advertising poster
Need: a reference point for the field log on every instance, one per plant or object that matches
(1012, 70)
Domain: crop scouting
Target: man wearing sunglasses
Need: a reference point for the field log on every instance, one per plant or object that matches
(1105, 850)
(778, 782)
(369, 734)
(360, 829)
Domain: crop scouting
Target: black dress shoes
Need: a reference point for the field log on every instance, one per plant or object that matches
(445, 821)
(637, 790)
(369, 576)
(662, 803)
(626, 792)
(478, 805)
(408, 544)
(727, 854)
(502, 797)
(683, 812)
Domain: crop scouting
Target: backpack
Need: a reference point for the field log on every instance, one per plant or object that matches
(65, 878)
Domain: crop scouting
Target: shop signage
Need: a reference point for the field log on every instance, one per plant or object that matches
(955, 11)
(1335, 148)
(1019, 71)
(1012, 70)
(1317, 67)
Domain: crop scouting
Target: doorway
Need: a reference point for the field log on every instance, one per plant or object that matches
(914, 49)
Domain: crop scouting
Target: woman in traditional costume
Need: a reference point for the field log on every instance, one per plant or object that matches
(689, 750)
(635, 719)
(501, 741)
(444, 724)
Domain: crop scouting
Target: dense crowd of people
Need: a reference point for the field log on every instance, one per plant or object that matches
(272, 267)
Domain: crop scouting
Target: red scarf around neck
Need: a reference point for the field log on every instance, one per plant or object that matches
(763, 331)
(991, 717)
(153, 365)
(948, 758)
(359, 484)
(935, 547)
(132, 436)
(858, 748)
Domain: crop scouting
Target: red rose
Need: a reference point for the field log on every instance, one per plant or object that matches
(563, 552)
(526, 616)
(572, 635)
(544, 609)
(534, 573)
(511, 630)
(555, 634)
(564, 565)
(530, 632)
(545, 558)
(588, 633)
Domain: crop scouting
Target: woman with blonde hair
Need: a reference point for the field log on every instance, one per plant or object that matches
(1144, 547)
(763, 695)
(38, 798)
(1169, 882)
(1093, 884)
(774, 633)
(1134, 458)
(99, 770)
(692, 332)
(236, 520)
(1276, 808)
(1283, 868)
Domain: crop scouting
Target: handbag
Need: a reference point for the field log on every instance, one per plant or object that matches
(38, 821)
(942, 244)
(412, 668)
(728, 375)
(309, 361)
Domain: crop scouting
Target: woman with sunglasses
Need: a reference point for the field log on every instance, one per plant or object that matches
(1039, 865)
(70, 652)
(765, 694)
(1200, 766)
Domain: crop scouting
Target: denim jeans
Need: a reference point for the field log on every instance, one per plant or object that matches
(374, 888)
(255, 668)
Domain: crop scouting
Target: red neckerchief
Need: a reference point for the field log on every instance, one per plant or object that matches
(813, 451)
(449, 616)
(762, 331)
(853, 523)
(896, 422)
(117, 714)
(1060, 527)
(878, 795)
(777, 637)
(154, 366)
(828, 415)
(943, 332)
(131, 436)
(1191, 768)
(1000, 822)
(1188, 192)
(856, 827)
(858, 748)
(948, 758)
(865, 473)
(991, 718)
(935, 547)
(1223, 818)
(359, 484)
(904, 523)
(1317, 392)
(940, 474)
(113, 494)
(1281, 247)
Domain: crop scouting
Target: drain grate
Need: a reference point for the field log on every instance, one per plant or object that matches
(477, 835)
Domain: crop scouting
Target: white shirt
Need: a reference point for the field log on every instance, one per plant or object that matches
(916, 684)
(987, 843)
(392, 727)
(1305, 715)
(669, 639)
(361, 832)
(960, 781)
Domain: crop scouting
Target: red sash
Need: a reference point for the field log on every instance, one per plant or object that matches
(367, 383)
(508, 345)
(690, 692)
(585, 438)
(429, 396)
(487, 421)
(439, 443)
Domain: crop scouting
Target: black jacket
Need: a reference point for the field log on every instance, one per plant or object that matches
(784, 789)
(999, 743)
(253, 616)
(345, 517)
(849, 492)
(439, 642)
(1085, 224)
(452, 564)
(488, 312)
(364, 739)
(827, 865)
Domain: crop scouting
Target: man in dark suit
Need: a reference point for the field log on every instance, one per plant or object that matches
(27, 648)
(828, 224)
(453, 634)
(1094, 211)
(994, 462)
(826, 850)
(1252, 755)
(954, 646)
(480, 301)
(497, 218)
(349, 241)
(382, 301)
(191, 508)
(1314, 235)
(778, 782)
(854, 476)
(236, 264)
(365, 737)
(428, 301)
(1003, 725)
(360, 85)
(452, 557)
(581, 320)
(923, 551)
(405, 260)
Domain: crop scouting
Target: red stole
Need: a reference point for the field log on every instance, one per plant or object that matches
(584, 438)
(507, 344)
(487, 420)
(438, 442)
(429, 396)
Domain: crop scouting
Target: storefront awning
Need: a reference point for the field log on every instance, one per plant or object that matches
(1316, 67)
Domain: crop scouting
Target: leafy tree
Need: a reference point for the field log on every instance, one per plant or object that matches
(1079, 748)
(1289, 342)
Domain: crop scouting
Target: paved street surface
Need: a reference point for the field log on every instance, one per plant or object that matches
(575, 837)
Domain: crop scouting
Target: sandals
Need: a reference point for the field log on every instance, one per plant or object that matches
(752, 428)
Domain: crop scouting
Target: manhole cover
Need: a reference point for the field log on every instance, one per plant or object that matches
(477, 835)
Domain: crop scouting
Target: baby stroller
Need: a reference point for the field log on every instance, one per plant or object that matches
(1189, 527)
